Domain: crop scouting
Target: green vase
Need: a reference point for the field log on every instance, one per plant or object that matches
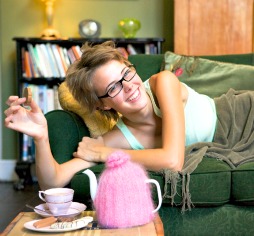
(129, 27)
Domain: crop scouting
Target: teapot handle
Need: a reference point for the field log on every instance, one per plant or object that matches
(153, 181)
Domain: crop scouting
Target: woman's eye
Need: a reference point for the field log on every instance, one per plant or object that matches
(126, 73)
(112, 88)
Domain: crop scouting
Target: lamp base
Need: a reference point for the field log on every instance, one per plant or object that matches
(50, 33)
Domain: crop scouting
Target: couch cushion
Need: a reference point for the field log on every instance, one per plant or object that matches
(243, 184)
(210, 184)
(209, 77)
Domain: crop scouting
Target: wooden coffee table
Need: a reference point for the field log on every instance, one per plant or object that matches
(16, 227)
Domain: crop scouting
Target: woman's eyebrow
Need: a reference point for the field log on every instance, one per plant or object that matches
(113, 82)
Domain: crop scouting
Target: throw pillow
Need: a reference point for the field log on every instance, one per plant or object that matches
(97, 123)
(209, 77)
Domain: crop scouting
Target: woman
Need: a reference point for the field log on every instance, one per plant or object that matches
(152, 127)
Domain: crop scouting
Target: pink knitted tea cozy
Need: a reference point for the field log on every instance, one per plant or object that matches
(123, 199)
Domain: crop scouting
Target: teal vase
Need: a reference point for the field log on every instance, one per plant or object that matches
(129, 27)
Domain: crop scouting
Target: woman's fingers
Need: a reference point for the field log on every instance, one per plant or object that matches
(11, 110)
(11, 100)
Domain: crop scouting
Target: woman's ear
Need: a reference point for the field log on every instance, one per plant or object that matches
(105, 108)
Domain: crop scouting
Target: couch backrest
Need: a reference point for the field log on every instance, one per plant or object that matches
(147, 65)
(213, 84)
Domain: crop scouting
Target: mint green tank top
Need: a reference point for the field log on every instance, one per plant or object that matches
(200, 118)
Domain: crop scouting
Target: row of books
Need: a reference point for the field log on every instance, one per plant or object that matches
(52, 61)
(47, 99)
(149, 48)
(47, 60)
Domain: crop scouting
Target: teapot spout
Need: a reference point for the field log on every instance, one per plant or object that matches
(93, 182)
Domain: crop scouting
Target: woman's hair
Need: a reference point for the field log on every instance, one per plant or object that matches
(80, 73)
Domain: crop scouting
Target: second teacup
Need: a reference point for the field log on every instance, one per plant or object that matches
(57, 195)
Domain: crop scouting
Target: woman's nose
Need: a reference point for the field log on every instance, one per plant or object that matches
(127, 85)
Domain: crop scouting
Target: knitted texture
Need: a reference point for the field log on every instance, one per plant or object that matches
(123, 198)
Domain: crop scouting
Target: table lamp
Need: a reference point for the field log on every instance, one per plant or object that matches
(49, 32)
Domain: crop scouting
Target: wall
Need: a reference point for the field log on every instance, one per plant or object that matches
(26, 18)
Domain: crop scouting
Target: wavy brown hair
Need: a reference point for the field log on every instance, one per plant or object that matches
(80, 73)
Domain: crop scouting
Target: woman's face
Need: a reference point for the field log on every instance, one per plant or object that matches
(130, 99)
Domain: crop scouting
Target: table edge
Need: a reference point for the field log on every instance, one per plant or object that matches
(12, 224)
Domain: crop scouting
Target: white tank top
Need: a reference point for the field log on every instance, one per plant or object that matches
(200, 115)
(200, 118)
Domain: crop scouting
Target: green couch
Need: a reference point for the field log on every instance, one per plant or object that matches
(223, 198)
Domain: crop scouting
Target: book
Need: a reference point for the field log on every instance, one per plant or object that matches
(76, 51)
(67, 59)
(131, 50)
(28, 69)
(71, 55)
(25, 148)
(147, 48)
(58, 60)
(63, 59)
(52, 61)
(45, 58)
(153, 48)
(23, 61)
(42, 93)
(42, 60)
(34, 60)
(50, 99)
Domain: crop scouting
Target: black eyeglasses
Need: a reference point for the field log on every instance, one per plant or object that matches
(118, 86)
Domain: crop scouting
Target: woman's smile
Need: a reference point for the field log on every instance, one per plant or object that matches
(135, 96)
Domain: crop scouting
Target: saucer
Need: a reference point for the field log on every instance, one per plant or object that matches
(30, 225)
(75, 209)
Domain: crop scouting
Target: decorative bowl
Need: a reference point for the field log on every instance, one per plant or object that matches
(129, 27)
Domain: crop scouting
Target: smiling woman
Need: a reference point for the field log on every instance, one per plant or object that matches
(100, 70)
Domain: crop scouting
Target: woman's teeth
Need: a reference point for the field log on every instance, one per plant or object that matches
(134, 96)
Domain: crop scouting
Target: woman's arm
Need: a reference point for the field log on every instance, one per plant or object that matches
(33, 123)
(51, 174)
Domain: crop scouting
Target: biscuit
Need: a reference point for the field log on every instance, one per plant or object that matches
(27, 93)
(45, 222)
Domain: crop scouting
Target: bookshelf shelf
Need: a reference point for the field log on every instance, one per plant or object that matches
(42, 64)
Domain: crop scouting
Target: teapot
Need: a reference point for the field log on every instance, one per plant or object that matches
(123, 197)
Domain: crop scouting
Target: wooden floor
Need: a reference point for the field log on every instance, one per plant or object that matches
(13, 201)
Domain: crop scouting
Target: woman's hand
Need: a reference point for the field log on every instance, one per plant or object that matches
(91, 150)
(31, 122)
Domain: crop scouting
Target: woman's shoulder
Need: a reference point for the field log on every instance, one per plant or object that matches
(115, 139)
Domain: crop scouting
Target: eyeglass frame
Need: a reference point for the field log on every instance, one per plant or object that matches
(121, 83)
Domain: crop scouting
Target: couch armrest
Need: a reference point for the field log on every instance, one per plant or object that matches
(66, 130)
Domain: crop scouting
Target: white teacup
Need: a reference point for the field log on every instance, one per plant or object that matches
(59, 208)
(57, 195)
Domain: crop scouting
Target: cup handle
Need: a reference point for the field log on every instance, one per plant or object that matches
(41, 197)
(153, 181)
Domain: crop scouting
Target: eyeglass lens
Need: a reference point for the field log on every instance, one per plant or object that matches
(117, 87)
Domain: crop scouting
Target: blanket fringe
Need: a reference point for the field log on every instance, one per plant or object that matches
(173, 178)
(186, 196)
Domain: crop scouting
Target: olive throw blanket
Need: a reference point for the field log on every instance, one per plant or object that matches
(233, 142)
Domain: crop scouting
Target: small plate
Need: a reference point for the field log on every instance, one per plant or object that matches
(29, 225)
(75, 209)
